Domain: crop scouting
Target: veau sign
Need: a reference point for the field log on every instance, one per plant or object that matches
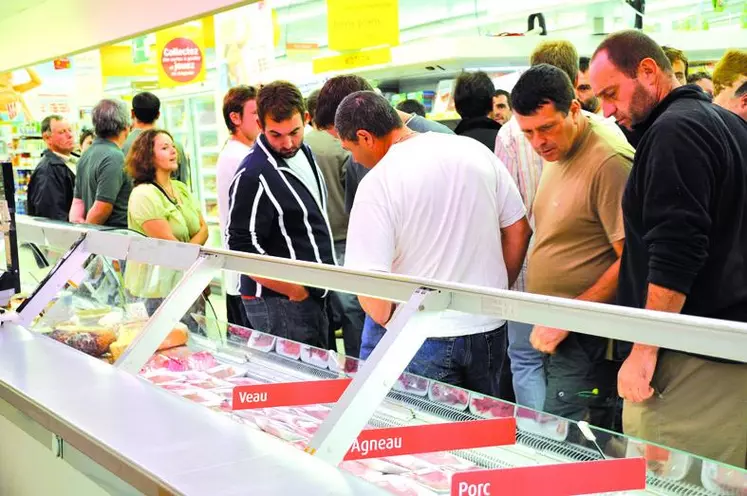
(288, 394)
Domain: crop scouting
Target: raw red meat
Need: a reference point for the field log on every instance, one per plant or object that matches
(261, 342)
(223, 371)
(317, 411)
(437, 480)
(383, 466)
(242, 333)
(413, 384)
(490, 407)
(174, 386)
(444, 459)
(160, 377)
(358, 469)
(289, 349)
(277, 429)
(449, 395)
(409, 462)
(400, 486)
(202, 360)
(243, 381)
(314, 356)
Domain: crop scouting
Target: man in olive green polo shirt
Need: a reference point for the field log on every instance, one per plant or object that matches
(102, 188)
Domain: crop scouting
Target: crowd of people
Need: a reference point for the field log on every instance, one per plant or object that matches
(603, 178)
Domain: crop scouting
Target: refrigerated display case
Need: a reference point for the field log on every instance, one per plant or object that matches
(213, 368)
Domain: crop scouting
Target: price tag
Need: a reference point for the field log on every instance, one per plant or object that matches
(288, 394)
(376, 443)
(565, 479)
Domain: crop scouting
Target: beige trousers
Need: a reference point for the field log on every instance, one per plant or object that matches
(699, 406)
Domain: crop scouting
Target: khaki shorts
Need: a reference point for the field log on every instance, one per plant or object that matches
(699, 406)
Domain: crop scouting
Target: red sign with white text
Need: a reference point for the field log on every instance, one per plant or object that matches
(182, 60)
(565, 479)
(393, 441)
(288, 394)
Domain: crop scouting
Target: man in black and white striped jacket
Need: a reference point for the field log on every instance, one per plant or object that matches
(278, 207)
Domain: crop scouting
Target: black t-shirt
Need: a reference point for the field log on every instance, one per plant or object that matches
(685, 208)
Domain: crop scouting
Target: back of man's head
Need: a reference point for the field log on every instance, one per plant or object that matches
(333, 93)
(311, 103)
(147, 107)
(280, 101)
(559, 53)
(626, 49)
(365, 111)
(541, 85)
(411, 106)
(110, 118)
(731, 68)
(473, 95)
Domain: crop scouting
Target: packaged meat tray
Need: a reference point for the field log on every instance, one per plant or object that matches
(91, 340)
(238, 334)
(200, 396)
(410, 462)
(314, 356)
(358, 469)
(210, 383)
(438, 481)
(487, 407)
(383, 466)
(162, 376)
(660, 461)
(340, 363)
(278, 429)
(287, 348)
(181, 359)
(449, 395)
(722, 480)
(402, 486)
(444, 459)
(262, 342)
(243, 381)
(319, 412)
(413, 384)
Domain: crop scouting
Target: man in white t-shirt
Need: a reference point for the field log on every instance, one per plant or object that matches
(439, 207)
(240, 114)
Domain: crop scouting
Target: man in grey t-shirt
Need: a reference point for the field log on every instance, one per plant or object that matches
(331, 95)
(102, 188)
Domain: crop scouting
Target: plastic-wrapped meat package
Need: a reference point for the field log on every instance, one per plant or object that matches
(210, 383)
(436, 480)
(225, 371)
(314, 356)
(278, 429)
(238, 334)
(341, 363)
(723, 480)
(243, 381)
(383, 466)
(402, 486)
(162, 376)
(413, 384)
(449, 395)
(660, 461)
(175, 386)
(409, 462)
(200, 396)
(444, 459)
(163, 362)
(317, 411)
(358, 469)
(262, 342)
(287, 348)
(485, 406)
(202, 360)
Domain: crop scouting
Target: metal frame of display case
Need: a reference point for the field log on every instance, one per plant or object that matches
(724, 339)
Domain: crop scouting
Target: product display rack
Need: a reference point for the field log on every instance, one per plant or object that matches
(369, 398)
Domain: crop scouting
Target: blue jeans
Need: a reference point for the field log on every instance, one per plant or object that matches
(473, 362)
(527, 365)
(302, 321)
(347, 311)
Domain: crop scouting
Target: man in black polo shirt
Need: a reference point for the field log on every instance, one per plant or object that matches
(102, 188)
(685, 213)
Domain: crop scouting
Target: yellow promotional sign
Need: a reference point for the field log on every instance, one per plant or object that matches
(116, 61)
(356, 24)
(180, 55)
(352, 60)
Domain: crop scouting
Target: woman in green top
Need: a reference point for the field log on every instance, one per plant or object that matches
(159, 207)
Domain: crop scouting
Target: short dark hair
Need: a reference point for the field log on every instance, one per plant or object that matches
(139, 161)
(311, 102)
(673, 54)
(234, 101)
(697, 76)
(46, 125)
(411, 106)
(368, 111)
(110, 118)
(507, 95)
(626, 49)
(333, 93)
(146, 106)
(473, 94)
(540, 85)
(583, 64)
(85, 133)
(559, 53)
(279, 100)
